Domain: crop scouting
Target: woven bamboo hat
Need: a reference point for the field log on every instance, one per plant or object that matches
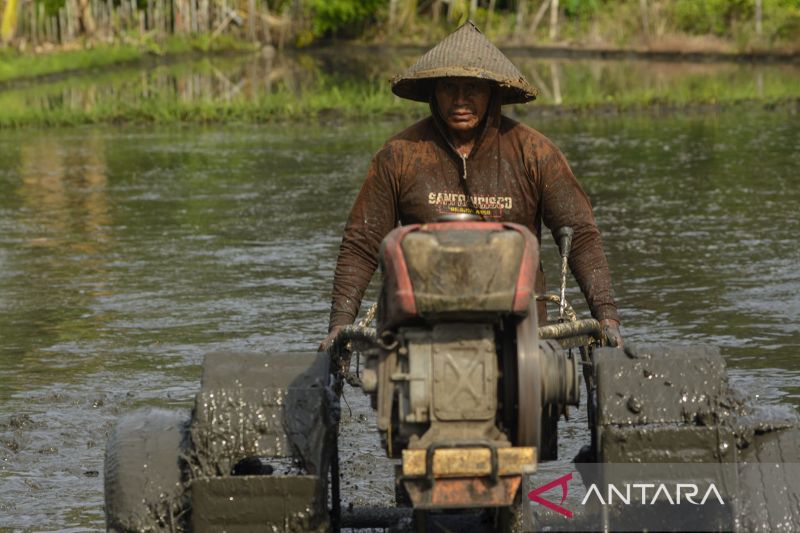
(465, 53)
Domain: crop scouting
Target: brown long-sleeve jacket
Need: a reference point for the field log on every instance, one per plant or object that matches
(513, 174)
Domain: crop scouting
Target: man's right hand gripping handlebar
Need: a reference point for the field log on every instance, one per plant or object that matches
(610, 328)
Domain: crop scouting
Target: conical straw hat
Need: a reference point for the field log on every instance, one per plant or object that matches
(464, 53)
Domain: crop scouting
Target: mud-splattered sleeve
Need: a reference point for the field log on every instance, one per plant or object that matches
(564, 203)
(374, 214)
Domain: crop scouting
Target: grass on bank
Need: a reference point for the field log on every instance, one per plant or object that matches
(355, 105)
(15, 65)
(337, 102)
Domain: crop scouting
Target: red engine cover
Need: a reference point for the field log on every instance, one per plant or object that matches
(509, 251)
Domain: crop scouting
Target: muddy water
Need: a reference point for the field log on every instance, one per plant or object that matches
(126, 254)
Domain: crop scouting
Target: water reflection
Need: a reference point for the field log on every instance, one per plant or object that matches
(62, 225)
(201, 81)
(290, 76)
(64, 194)
(638, 82)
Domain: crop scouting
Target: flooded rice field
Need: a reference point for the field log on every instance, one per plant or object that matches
(128, 253)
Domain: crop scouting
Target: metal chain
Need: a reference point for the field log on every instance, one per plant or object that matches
(563, 303)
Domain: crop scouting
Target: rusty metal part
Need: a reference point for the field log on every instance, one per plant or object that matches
(529, 382)
(462, 493)
(469, 462)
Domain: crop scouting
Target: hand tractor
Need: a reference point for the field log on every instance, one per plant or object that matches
(468, 388)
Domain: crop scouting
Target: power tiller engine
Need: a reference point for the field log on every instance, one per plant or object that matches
(466, 394)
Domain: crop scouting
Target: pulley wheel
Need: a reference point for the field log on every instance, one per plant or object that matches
(529, 381)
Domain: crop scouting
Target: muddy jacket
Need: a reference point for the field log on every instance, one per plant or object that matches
(513, 174)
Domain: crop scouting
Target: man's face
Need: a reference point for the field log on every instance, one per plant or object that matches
(462, 102)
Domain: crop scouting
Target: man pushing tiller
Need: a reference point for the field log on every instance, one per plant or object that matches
(467, 158)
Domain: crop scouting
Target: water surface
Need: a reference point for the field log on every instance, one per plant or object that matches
(128, 253)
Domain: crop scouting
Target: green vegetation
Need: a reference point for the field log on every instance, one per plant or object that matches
(325, 83)
(730, 18)
(235, 90)
(115, 32)
(345, 102)
(341, 15)
(16, 65)
(322, 110)
(736, 24)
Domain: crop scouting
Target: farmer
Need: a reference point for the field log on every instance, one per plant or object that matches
(468, 158)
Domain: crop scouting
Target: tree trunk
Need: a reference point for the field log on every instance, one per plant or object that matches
(555, 73)
(408, 14)
(437, 11)
(69, 18)
(539, 16)
(453, 6)
(519, 18)
(758, 18)
(554, 20)
(267, 25)
(392, 14)
(8, 27)
(251, 20)
(643, 11)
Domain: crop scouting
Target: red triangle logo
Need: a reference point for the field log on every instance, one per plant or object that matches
(534, 495)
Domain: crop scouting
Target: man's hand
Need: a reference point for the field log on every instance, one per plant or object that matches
(327, 341)
(610, 329)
